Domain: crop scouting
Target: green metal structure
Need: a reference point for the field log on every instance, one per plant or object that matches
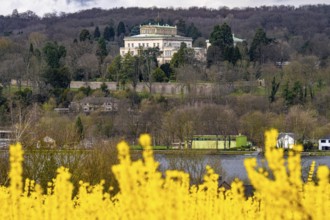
(218, 141)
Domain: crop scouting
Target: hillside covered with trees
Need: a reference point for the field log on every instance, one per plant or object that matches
(287, 48)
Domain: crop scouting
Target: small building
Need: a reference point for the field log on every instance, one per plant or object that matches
(218, 141)
(286, 140)
(324, 143)
(90, 104)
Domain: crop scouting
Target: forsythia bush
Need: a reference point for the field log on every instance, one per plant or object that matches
(146, 194)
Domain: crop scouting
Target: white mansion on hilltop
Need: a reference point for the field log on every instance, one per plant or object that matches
(166, 39)
(163, 37)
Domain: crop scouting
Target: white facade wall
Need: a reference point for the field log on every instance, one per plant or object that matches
(286, 142)
(167, 44)
(324, 144)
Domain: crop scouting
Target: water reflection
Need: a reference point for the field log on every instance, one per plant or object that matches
(231, 166)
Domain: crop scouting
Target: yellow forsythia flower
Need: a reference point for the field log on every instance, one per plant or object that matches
(146, 193)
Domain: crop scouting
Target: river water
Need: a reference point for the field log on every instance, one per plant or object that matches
(230, 166)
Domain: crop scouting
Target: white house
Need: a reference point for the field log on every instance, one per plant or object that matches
(152, 36)
(324, 143)
(286, 140)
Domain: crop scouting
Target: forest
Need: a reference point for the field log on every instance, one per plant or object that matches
(287, 48)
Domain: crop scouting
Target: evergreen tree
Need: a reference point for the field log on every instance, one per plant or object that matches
(84, 35)
(79, 128)
(166, 67)
(101, 51)
(181, 27)
(222, 39)
(159, 76)
(114, 69)
(236, 55)
(109, 33)
(97, 33)
(183, 56)
(135, 31)
(56, 75)
(53, 54)
(121, 29)
(193, 32)
(259, 41)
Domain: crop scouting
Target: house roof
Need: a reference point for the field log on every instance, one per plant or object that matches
(326, 137)
(98, 100)
(283, 134)
(157, 36)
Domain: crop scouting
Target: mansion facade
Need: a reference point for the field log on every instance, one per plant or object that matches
(152, 36)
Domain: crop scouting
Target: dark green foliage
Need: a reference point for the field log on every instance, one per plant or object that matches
(222, 37)
(53, 54)
(308, 146)
(97, 33)
(183, 56)
(31, 50)
(79, 128)
(121, 30)
(213, 55)
(223, 45)
(101, 51)
(3, 99)
(193, 32)
(3, 108)
(135, 30)
(295, 95)
(275, 86)
(260, 40)
(115, 68)
(166, 67)
(178, 58)
(109, 33)
(126, 69)
(104, 89)
(236, 56)
(23, 97)
(181, 27)
(57, 77)
(159, 75)
(84, 35)
(86, 90)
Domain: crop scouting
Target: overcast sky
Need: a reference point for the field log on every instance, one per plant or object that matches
(41, 7)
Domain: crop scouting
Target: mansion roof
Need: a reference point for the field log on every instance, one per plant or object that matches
(157, 36)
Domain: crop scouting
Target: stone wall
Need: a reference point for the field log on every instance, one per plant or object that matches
(171, 88)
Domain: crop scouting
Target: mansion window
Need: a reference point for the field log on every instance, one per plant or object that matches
(128, 44)
(167, 53)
